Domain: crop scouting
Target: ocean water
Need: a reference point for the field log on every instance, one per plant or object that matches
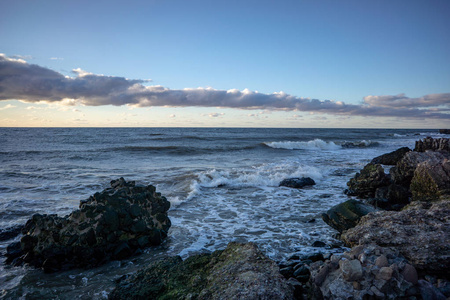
(222, 184)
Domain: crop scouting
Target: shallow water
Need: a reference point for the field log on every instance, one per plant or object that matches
(222, 184)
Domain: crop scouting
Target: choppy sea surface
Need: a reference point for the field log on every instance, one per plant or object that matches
(222, 184)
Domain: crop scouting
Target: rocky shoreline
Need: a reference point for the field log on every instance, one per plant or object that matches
(398, 232)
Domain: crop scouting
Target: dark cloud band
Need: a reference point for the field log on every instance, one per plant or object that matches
(32, 83)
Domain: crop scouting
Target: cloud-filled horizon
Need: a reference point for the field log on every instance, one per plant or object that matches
(32, 83)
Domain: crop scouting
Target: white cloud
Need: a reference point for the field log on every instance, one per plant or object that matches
(32, 83)
(7, 106)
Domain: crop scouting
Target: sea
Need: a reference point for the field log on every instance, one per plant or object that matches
(223, 185)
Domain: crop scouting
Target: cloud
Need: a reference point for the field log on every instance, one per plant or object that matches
(32, 83)
(56, 58)
(215, 115)
(7, 106)
(401, 101)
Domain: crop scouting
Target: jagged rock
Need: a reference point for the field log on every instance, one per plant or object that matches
(297, 182)
(391, 158)
(420, 232)
(391, 197)
(403, 172)
(356, 275)
(109, 225)
(365, 183)
(240, 271)
(431, 180)
(347, 214)
(428, 143)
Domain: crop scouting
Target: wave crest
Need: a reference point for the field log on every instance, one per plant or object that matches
(316, 144)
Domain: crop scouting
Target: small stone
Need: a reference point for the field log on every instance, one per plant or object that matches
(351, 269)
(357, 285)
(321, 275)
(319, 244)
(381, 261)
(385, 273)
(410, 274)
(377, 292)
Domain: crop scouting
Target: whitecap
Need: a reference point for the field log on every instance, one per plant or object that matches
(316, 144)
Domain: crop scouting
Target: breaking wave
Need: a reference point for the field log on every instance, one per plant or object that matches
(316, 144)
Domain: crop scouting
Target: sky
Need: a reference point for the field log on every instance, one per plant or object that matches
(203, 63)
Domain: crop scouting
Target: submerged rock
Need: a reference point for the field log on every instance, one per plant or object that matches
(420, 232)
(346, 215)
(240, 271)
(112, 224)
(297, 182)
(391, 158)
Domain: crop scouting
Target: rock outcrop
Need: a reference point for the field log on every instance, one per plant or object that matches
(391, 158)
(431, 179)
(240, 271)
(428, 143)
(297, 182)
(420, 232)
(113, 224)
(366, 182)
(347, 214)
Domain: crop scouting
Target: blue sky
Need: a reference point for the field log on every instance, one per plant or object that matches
(343, 51)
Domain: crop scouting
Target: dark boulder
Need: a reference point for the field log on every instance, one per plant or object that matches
(391, 197)
(431, 180)
(391, 158)
(240, 271)
(112, 224)
(444, 131)
(297, 182)
(365, 183)
(346, 215)
(403, 172)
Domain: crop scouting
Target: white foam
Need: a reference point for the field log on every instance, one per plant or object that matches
(316, 144)
(263, 176)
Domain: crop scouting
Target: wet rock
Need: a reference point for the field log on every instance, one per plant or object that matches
(240, 271)
(391, 197)
(444, 131)
(431, 179)
(428, 143)
(297, 182)
(365, 183)
(112, 224)
(403, 172)
(346, 215)
(420, 232)
(391, 158)
(10, 233)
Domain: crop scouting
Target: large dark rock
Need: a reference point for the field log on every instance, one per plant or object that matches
(391, 197)
(240, 271)
(112, 224)
(420, 232)
(365, 183)
(431, 179)
(346, 215)
(391, 158)
(297, 182)
(403, 172)
(428, 143)
(444, 131)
